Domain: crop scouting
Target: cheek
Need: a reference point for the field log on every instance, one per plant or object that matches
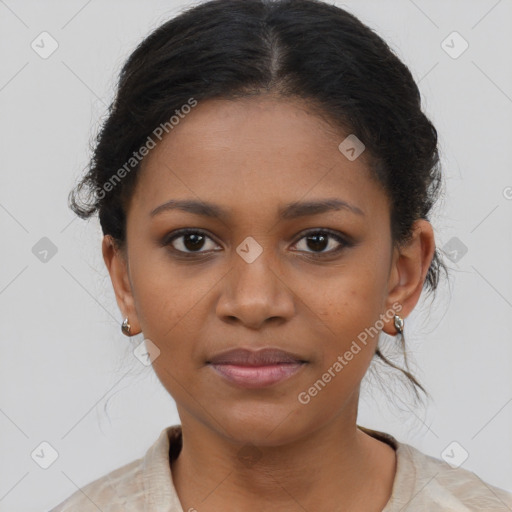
(162, 300)
(163, 290)
(168, 308)
(174, 305)
(349, 295)
(345, 308)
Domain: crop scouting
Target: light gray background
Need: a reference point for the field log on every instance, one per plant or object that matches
(64, 361)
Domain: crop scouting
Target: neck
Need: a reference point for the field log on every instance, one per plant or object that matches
(334, 464)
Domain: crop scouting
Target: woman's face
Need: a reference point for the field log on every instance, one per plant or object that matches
(264, 273)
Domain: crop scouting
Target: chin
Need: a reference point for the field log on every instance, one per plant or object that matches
(264, 425)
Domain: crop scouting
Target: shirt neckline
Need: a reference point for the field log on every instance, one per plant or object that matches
(162, 496)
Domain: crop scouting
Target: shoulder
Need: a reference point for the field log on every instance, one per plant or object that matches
(116, 489)
(428, 483)
(135, 485)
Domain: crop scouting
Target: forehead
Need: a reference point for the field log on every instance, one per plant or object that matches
(254, 151)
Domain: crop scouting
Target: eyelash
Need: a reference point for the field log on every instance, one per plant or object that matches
(344, 242)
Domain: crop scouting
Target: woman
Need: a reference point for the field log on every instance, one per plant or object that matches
(264, 182)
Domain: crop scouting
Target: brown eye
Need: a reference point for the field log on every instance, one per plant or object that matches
(321, 242)
(317, 242)
(190, 241)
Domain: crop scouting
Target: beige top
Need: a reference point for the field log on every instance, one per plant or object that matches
(422, 483)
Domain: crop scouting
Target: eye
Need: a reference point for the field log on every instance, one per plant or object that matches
(320, 240)
(190, 241)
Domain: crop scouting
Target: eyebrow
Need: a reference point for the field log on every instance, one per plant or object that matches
(289, 211)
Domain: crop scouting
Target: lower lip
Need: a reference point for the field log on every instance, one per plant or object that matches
(257, 376)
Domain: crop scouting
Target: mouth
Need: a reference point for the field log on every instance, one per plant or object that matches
(256, 369)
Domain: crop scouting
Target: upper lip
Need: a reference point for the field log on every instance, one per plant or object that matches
(261, 357)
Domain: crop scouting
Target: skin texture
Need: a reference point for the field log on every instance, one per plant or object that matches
(251, 157)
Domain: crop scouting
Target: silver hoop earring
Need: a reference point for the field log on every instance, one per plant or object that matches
(399, 324)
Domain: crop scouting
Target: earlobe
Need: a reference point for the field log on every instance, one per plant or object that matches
(116, 263)
(409, 269)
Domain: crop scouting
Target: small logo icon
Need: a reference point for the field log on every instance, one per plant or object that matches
(454, 45)
(507, 192)
(351, 147)
(44, 45)
(146, 352)
(249, 455)
(44, 455)
(454, 249)
(44, 250)
(454, 454)
(249, 249)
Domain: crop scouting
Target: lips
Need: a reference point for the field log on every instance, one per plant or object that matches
(262, 357)
(256, 369)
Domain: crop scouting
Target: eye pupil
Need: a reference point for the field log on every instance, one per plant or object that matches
(320, 246)
(197, 241)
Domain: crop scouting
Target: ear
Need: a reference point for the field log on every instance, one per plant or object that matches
(117, 265)
(410, 264)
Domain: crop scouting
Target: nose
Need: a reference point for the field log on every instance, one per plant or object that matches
(254, 294)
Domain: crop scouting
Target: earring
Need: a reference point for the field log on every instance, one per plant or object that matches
(399, 324)
(125, 327)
